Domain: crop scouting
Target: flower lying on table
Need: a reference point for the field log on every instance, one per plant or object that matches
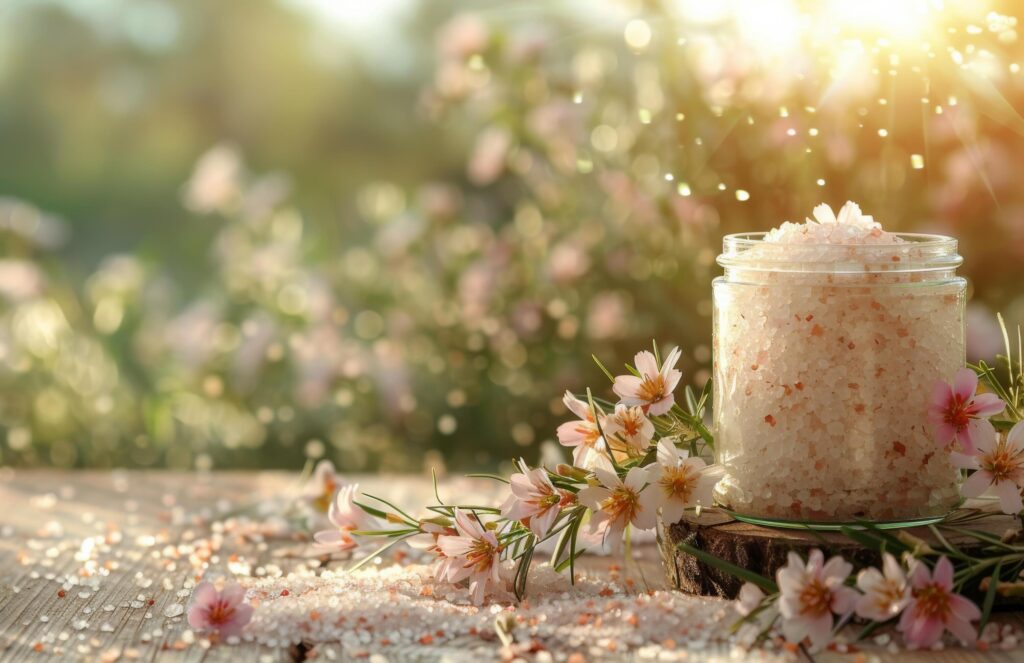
(224, 611)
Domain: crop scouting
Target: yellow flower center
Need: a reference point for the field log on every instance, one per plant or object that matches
(623, 504)
(481, 555)
(652, 388)
(932, 601)
(588, 429)
(220, 612)
(323, 501)
(1003, 464)
(815, 598)
(678, 483)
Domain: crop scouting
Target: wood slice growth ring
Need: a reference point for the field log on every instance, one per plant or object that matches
(763, 550)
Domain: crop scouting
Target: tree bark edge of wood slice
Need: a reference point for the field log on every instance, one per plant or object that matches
(764, 550)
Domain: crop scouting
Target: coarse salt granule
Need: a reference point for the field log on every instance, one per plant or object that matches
(829, 336)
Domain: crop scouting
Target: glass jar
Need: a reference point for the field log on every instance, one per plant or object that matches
(825, 357)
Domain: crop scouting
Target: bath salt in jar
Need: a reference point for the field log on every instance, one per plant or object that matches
(829, 337)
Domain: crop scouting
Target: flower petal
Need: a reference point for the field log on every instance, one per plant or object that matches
(976, 484)
(636, 478)
(982, 435)
(645, 363)
(661, 406)
(1015, 438)
(204, 593)
(233, 593)
(963, 461)
(943, 573)
(987, 405)
(965, 383)
(592, 496)
(668, 455)
(964, 608)
(1009, 497)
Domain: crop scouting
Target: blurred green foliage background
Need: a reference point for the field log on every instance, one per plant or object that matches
(245, 233)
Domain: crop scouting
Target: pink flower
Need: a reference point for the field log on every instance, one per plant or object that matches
(225, 611)
(617, 503)
(583, 435)
(346, 518)
(322, 486)
(683, 481)
(1000, 466)
(934, 608)
(653, 389)
(628, 430)
(958, 414)
(810, 594)
(534, 500)
(886, 592)
(475, 554)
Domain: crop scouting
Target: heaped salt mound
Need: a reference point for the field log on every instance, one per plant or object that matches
(849, 227)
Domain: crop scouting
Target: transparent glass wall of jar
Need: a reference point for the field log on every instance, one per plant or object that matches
(824, 360)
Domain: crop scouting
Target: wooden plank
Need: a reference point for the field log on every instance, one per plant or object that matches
(80, 624)
(54, 512)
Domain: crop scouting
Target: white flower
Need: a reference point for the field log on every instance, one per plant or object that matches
(810, 594)
(1000, 467)
(682, 481)
(426, 540)
(653, 389)
(617, 503)
(628, 430)
(346, 518)
(583, 435)
(886, 592)
(475, 554)
(749, 599)
(534, 499)
(325, 482)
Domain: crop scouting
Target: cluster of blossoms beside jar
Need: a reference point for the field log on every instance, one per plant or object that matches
(631, 459)
(815, 599)
(642, 456)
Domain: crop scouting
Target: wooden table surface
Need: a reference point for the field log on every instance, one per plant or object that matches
(48, 518)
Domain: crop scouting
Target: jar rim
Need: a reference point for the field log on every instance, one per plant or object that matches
(917, 252)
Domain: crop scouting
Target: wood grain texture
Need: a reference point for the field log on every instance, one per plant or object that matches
(45, 516)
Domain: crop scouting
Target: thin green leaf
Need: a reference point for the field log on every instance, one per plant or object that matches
(523, 573)
(377, 553)
(433, 478)
(864, 539)
(600, 430)
(1006, 344)
(691, 400)
(371, 510)
(730, 568)
(869, 629)
(563, 541)
(397, 510)
(485, 475)
(990, 596)
(604, 370)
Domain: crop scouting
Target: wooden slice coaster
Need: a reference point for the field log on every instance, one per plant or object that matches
(764, 549)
